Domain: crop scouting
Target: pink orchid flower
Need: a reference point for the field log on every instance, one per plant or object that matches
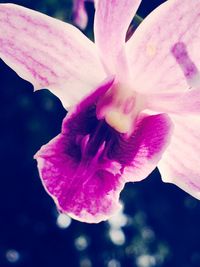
(132, 105)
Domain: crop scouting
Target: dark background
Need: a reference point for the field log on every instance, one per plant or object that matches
(162, 223)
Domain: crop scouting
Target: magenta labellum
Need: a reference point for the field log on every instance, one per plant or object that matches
(86, 166)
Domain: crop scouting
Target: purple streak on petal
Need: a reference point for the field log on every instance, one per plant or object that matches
(179, 51)
(49, 53)
(82, 168)
(150, 46)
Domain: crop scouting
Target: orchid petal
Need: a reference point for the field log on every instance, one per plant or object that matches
(85, 167)
(164, 50)
(112, 19)
(48, 53)
(80, 17)
(179, 164)
(187, 102)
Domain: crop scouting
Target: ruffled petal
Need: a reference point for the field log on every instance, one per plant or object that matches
(81, 184)
(48, 53)
(164, 50)
(112, 19)
(180, 162)
(85, 167)
(187, 102)
(140, 154)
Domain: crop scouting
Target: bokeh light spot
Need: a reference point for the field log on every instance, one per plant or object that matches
(63, 221)
(85, 262)
(81, 243)
(114, 263)
(12, 256)
(145, 260)
(118, 220)
(117, 236)
(148, 234)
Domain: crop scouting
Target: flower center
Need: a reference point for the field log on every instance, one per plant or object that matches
(120, 107)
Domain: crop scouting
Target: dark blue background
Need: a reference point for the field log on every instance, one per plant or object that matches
(29, 235)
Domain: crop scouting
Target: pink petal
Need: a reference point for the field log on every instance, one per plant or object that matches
(79, 14)
(187, 102)
(85, 167)
(48, 53)
(164, 50)
(180, 163)
(112, 19)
